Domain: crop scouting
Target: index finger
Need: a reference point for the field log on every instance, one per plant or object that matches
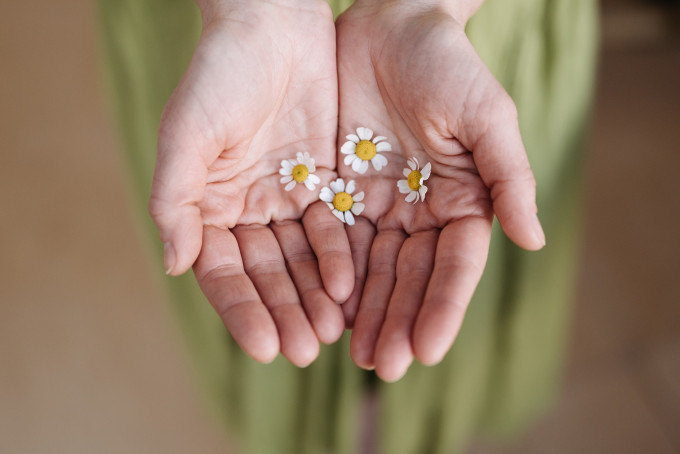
(459, 262)
(221, 275)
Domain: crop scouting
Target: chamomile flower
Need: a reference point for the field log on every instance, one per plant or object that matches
(340, 200)
(361, 150)
(299, 170)
(413, 184)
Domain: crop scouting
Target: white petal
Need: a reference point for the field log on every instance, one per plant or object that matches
(309, 184)
(349, 218)
(422, 191)
(377, 139)
(364, 133)
(348, 148)
(411, 196)
(358, 197)
(283, 171)
(339, 215)
(349, 188)
(426, 171)
(314, 179)
(411, 163)
(358, 208)
(308, 161)
(353, 138)
(326, 195)
(290, 186)
(383, 146)
(330, 205)
(364, 167)
(338, 185)
(356, 165)
(407, 172)
(287, 166)
(350, 158)
(286, 179)
(403, 186)
(379, 161)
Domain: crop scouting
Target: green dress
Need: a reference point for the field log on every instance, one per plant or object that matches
(505, 364)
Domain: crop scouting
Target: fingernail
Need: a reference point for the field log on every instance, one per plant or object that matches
(168, 257)
(538, 232)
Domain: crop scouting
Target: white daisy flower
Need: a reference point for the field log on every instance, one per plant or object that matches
(413, 184)
(299, 170)
(360, 149)
(340, 200)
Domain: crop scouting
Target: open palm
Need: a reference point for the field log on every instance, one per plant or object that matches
(410, 74)
(260, 89)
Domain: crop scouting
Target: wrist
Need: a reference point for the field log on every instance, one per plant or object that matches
(223, 8)
(460, 10)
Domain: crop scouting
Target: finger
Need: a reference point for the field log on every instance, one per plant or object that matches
(264, 264)
(360, 237)
(327, 236)
(380, 279)
(324, 314)
(173, 207)
(222, 278)
(394, 349)
(502, 162)
(460, 259)
(184, 154)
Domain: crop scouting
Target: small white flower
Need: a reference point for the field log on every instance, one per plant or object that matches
(413, 184)
(299, 170)
(340, 200)
(360, 149)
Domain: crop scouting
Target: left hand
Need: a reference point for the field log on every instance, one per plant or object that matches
(409, 73)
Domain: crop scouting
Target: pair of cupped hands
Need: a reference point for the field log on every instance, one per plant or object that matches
(269, 79)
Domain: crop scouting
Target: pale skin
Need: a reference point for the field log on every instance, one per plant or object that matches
(261, 87)
(408, 70)
(275, 264)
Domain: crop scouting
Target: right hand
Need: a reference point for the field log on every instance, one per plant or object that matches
(261, 86)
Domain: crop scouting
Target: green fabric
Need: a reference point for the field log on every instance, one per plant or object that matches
(504, 366)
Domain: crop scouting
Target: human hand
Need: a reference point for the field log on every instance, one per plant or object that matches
(408, 71)
(261, 87)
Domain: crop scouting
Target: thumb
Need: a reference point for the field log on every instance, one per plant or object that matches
(501, 159)
(178, 187)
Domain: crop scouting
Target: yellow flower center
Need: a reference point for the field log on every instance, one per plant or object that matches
(300, 173)
(342, 201)
(366, 150)
(414, 180)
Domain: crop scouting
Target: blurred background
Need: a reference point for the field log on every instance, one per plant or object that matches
(90, 356)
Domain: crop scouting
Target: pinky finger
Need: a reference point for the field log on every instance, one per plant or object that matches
(361, 237)
(327, 236)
